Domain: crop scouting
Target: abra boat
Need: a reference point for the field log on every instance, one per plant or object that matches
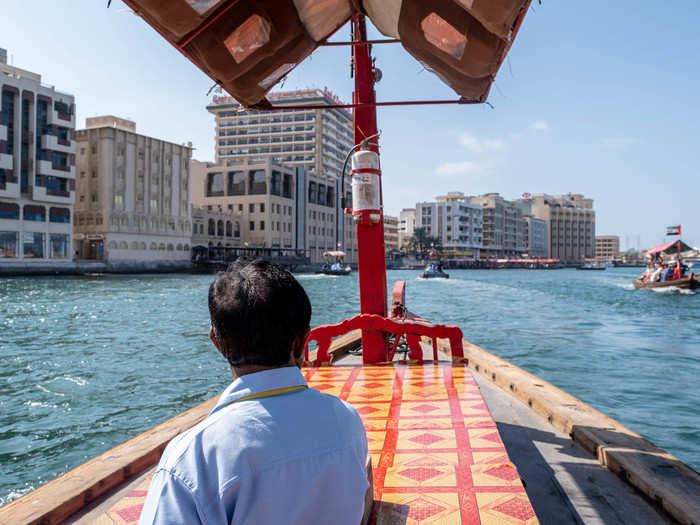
(337, 267)
(452, 429)
(690, 282)
(433, 271)
(671, 249)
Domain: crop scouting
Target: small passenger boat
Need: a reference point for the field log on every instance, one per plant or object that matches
(433, 271)
(337, 267)
(684, 283)
(436, 452)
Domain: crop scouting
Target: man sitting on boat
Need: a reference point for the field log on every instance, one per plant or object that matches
(272, 450)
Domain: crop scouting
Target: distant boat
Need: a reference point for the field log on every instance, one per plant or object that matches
(434, 270)
(337, 267)
(592, 266)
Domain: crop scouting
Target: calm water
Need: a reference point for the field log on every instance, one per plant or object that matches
(90, 362)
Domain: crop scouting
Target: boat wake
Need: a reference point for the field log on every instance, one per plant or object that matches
(673, 290)
(625, 286)
(439, 279)
(313, 276)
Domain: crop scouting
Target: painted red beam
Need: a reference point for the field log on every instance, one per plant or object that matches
(361, 43)
(362, 105)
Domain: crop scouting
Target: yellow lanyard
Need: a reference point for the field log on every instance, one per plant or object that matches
(260, 395)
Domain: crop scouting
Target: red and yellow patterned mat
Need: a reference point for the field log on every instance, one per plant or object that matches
(436, 453)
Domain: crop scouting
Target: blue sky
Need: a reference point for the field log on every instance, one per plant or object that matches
(596, 98)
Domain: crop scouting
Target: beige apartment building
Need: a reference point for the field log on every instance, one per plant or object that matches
(407, 224)
(313, 143)
(607, 247)
(132, 195)
(455, 221)
(217, 227)
(570, 220)
(391, 233)
(37, 169)
(504, 227)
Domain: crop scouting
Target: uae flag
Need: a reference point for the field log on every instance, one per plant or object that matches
(673, 230)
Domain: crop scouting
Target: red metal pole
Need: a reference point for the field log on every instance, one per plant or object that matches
(370, 237)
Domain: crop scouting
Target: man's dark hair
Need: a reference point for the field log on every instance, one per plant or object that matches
(257, 311)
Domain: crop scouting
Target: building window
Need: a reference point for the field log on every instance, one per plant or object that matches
(58, 246)
(276, 183)
(60, 214)
(215, 184)
(34, 213)
(262, 225)
(9, 210)
(256, 183)
(33, 245)
(229, 229)
(321, 194)
(252, 226)
(237, 231)
(8, 244)
(262, 207)
(220, 228)
(212, 227)
(236, 183)
(312, 192)
(251, 207)
(240, 207)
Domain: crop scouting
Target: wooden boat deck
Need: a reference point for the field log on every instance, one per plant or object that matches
(437, 456)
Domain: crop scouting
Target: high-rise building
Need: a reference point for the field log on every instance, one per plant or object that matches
(37, 168)
(391, 233)
(455, 221)
(607, 247)
(313, 139)
(132, 194)
(504, 227)
(570, 222)
(407, 223)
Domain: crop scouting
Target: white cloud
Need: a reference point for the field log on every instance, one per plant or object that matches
(618, 143)
(539, 125)
(475, 145)
(454, 169)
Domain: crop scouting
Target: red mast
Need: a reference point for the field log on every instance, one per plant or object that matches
(371, 261)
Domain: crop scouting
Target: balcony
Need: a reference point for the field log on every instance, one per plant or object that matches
(61, 119)
(53, 143)
(45, 167)
(3, 132)
(6, 161)
(39, 193)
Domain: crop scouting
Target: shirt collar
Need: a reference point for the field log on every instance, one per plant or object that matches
(260, 382)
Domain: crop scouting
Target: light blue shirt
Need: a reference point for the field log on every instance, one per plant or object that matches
(294, 458)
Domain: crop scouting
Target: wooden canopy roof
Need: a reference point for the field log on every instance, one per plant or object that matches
(247, 46)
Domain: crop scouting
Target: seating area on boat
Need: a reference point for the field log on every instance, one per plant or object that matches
(436, 454)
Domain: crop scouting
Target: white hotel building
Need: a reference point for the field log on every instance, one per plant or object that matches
(316, 140)
(37, 169)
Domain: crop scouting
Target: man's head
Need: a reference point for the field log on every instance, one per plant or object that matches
(259, 315)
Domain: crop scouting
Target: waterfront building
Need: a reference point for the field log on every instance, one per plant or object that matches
(570, 220)
(391, 233)
(607, 247)
(407, 223)
(455, 221)
(504, 227)
(535, 232)
(37, 169)
(132, 194)
(216, 227)
(312, 142)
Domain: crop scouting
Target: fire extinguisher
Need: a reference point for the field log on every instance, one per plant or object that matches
(365, 173)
